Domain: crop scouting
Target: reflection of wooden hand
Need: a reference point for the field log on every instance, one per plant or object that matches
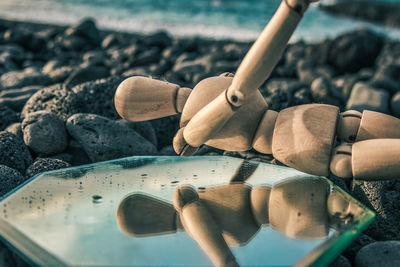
(230, 215)
(230, 114)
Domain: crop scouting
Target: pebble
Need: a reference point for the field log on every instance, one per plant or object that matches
(7, 116)
(144, 128)
(86, 29)
(45, 164)
(363, 97)
(44, 133)
(15, 128)
(56, 99)
(384, 253)
(104, 139)
(21, 78)
(13, 152)
(340, 261)
(324, 91)
(395, 105)
(9, 179)
(350, 52)
(85, 74)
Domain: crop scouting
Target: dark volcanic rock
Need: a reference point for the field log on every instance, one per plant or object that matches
(366, 97)
(144, 128)
(13, 152)
(166, 129)
(104, 139)
(159, 39)
(384, 198)
(361, 241)
(97, 97)
(16, 98)
(45, 164)
(395, 105)
(324, 91)
(86, 29)
(44, 133)
(352, 51)
(7, 116)
(340, 261)
(56, 99)
(385, 13)
(29, 76)
(9, 179)
(86, 74)
(384, 253)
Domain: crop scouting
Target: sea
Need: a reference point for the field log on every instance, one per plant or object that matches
(219, 19)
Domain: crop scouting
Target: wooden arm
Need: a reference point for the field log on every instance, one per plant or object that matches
(252, 72)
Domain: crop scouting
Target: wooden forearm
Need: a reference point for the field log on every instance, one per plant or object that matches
(252, 72)
(201, 226)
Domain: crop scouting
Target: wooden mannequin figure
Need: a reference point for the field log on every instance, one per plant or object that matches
(229, 113)
(231, 215)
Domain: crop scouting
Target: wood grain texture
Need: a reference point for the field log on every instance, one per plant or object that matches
(262, 141)
(376, 159)
(140, 98)
(265, 53)
(259, 200)
(234, 134)
(378, 125)
(303, 137)
(230, 207)
(348, 125)
(298, 208)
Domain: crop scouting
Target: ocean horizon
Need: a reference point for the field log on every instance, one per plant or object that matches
(220, 19)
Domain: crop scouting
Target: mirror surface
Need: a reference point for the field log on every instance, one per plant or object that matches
(69, 216)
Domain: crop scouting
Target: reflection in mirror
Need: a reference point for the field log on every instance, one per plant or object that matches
(218, 217)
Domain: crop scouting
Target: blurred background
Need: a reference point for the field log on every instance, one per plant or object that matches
(220, 19)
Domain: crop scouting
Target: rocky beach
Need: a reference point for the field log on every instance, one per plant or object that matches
(56, 103)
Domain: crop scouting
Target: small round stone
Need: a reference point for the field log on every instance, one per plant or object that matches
(383, 253)
(9, 179)
(46, 164)
(13, 152)
(44, 133)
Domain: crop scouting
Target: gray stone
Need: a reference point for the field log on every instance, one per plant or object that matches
(166, 129)
(56, 99)
(324, 91)
(104, 139)
(346, 83)
(15, 128)
(9, 179)
(146, 57)
(144, 128)
(44, 133)
(350, 52)
(97, 97)
(86, 29)
(93, 58)
(384, 253)
(361, 241)
(159, 39)
(45, 164)
(79, 156)
(29, 76)
(395, 105)
(7, 116)
(110, 41)
(13, 152)
(366, 97)
(82, 75)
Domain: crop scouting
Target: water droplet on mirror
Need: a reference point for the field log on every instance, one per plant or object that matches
(97, 199)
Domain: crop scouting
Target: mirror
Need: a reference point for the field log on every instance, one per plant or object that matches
(139, 211)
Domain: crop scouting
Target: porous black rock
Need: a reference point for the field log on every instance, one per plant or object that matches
(340, 261)
(13, 152)
(44, 133)
(324, 91)
(56, 99)
(45, 164)
(9, 179)
(16, 98)
(96, 97)
(7, 116)
(15, 128)
(384, 253)
(395, 105)
(166, 129)
(350, 52)
(104, 139)
(384, 198)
